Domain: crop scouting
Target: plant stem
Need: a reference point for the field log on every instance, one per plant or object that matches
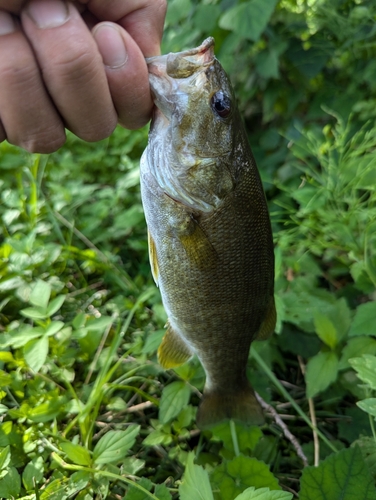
(234, 438)
(287, 396)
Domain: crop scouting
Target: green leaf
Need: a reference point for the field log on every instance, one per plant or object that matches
(174, 398)
(55, 305)
(322, 370)
(263, 494)
(234, 476)
(33, 473)
(113, 446)
(343, 475)
(34, 313)
(364, 322)
(326, 330)
(136, 494)
(157, 436)
(10, 485)
(4, 457)
(161, 492)
(248, 436)
(356, 347)
(35, 353)
(40, 294)
(368, 405)
(365, 367)
(367, 446)
(248, 20)
(54, 327)
(196, 484)
(76, 453)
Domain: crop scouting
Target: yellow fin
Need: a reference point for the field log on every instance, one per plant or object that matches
(173, 351)
(153, 258)
(268, 325)
(198, 247)
(240, 405)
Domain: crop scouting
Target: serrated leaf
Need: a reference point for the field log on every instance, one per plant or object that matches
(367, 447)
(196, 484)
(368, 405)
(40, 294)
(35, 353)
(76, 453)
(342, 475)
(263, 494)
(33, 473)
(356, 347)
(364, 322)
(365, 367)
(174, 398)
(157, 437)
(249, 19)
(326, 330)
(234, 476)
(113, 446)
(10, 484)
(4, 457)
(248, 436)
(55, 305)
(135, 493)
(322, 370)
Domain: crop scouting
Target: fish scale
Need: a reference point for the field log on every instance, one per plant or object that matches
(210, 240)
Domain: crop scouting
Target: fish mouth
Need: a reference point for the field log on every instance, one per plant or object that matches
(166, 71)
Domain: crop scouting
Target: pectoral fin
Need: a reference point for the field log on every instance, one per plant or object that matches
(153, 258)
(198, 247)
(268, 325)
(173, 351)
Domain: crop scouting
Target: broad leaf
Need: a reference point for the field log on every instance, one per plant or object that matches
(322, 370)
(232, 477)
(55, 305)
(343, 475)
(356, 347)
(10, 484)
(4, 457)
(249, 19)
(113, 446)
(76, 453)
(40, 294)
(263, 494)
(33, 473)
(326, 330)
(174, 398)
(368, 405)
(364, 322)
(365, 367)
(35, 353)
(196, 484)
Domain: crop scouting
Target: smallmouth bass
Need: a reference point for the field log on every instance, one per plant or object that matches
(210, 240)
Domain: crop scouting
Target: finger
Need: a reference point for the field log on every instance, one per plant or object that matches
(127, 74)
(28, 116)
(72, 67)
(142, 19)
(12, 5)
(3, 135)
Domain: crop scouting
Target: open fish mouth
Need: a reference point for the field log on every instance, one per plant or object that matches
(166, 73)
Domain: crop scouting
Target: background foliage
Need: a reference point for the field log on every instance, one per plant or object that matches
(86, 411)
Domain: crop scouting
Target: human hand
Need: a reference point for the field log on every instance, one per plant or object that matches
(56, 73)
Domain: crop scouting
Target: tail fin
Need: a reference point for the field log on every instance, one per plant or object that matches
(240, 405)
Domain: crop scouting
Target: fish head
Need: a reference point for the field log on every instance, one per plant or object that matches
(193, 130)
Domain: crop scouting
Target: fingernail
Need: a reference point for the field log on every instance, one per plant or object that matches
(111, 45)
(48, 13)
(7, 24)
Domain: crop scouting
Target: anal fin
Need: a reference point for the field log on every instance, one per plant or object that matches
(268, 325)
(173, 351)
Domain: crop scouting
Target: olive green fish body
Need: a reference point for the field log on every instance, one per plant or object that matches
(210, 240)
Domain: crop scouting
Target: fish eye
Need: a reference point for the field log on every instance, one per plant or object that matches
(221, 104)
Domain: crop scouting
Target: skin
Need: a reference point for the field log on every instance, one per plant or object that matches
(86, 72)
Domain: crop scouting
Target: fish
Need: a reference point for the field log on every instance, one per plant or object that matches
(209, 233)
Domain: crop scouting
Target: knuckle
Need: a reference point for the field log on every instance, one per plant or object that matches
(44, 142)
